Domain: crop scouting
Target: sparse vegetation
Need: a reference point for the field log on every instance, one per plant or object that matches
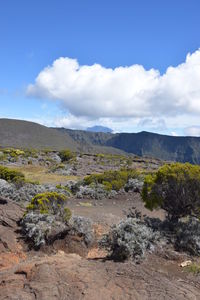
(40, 174)
(62, 187)
(175, 188)
(66, 155)
(112, 180)
(11, 175)
(194, 268)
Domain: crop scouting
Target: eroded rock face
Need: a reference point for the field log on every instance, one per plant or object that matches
(10, 248)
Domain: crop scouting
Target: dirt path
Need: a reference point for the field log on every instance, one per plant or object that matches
(111, 211)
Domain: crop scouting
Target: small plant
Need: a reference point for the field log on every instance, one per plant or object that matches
(50, 203)
(30, 153)
(175, 188)
(11, 175)
(66, 155)
(62, 187)
(194, 268)
(67, 214)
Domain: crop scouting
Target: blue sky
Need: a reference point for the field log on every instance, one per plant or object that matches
(153, 34)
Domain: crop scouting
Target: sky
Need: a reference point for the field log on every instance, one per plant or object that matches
(130, 65)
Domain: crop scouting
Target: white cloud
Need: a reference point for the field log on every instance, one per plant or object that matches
(173, 133)
(192, 131)
(153, 124)
(121, 95)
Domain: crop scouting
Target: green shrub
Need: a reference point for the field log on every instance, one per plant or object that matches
(175, 188)
(13, 152)
(30, 153)
(50, 203)
(112, 180)
(11, 175)
(107, 185)
(67, 214)
(62, 187)
(194, 268)
(66, 155)
(3, 156)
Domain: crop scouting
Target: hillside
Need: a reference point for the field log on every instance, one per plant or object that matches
(23, 134)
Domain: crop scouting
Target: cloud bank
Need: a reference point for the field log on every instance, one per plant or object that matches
(120, 95)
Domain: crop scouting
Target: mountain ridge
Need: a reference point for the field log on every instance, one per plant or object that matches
(25, 134)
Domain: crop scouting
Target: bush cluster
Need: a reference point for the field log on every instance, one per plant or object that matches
(50, 203)
(175, 188)
(66, 155)
(112, 180)
(11, 175)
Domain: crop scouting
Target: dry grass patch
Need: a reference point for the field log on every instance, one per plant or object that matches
(40, 174)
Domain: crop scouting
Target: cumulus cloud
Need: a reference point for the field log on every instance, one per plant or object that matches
(124, 93)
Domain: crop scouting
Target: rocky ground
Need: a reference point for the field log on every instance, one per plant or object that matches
(70, 269)
(66, 271)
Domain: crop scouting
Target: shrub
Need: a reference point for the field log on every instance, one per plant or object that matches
(11, 175)
(175, 188)
(14, 152)
(131, 238)
(194, 268)
(112, 180)
(50, 203)
(66, 155)
(62, 187)
(67, 214)
(30, 153)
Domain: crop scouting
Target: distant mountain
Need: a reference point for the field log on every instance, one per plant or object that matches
(173, 148)
(23, 134)
(91, 142)
(99, 128)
